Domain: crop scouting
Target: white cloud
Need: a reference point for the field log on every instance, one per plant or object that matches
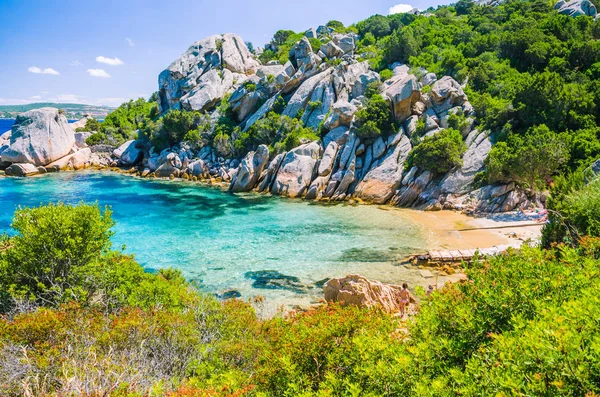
(130, 42)
(35, 69)
(400, 8)
(98, 73)
(35, 97)
(109, 61)
(75, 63)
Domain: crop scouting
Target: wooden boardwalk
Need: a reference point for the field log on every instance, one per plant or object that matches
(463, 255)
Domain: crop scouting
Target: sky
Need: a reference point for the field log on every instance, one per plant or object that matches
(107, 52)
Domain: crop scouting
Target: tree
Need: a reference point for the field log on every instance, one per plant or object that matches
(51, 243)
(439, 153)
(400, 46)
(375, 119)
(573, 209)
(530, 160)
(378, 25)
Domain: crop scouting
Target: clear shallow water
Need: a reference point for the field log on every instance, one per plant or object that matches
(215, 237)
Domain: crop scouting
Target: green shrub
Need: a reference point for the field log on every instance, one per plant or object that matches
(51, 243)
(439, 153)
(530, 161)
(375, 119)
(386, 74)
(96, 139)
(90, 125)
(572, 211)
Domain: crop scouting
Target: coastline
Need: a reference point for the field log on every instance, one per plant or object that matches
(442, 228)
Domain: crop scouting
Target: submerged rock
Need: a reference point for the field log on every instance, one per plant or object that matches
(272, 279)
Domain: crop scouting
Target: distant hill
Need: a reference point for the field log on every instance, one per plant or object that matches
(72, 110)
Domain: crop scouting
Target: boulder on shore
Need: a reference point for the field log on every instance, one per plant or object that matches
(362, 292)
(39, 137)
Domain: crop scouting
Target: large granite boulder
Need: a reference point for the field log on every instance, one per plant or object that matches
(224, 58)
(22, 170)
(574, 8)
(351, 80)
(81, 158)
(301, 97)
(359, 291)
(296, 170)
(447, 93)
(460, 180)
(249, 170)
(342, 113)
(385, 176)
(39, 137)
(403, 91)
(129, 153)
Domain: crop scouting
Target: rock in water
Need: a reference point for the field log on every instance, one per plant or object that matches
(362, 292)
(22, 170)
(39, 137)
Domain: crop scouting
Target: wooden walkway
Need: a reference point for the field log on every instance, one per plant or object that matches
(464, 255)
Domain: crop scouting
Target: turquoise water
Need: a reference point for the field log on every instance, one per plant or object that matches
(216, 238)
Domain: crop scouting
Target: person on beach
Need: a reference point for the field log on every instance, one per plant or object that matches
(404, 299)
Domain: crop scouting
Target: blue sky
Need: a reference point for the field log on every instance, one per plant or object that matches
(106, 52)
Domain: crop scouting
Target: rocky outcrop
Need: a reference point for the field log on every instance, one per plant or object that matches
(359, 291)
(250, 170)
(39, 137)
(385, 175)
(574, 8)
(296, 170)
(325, 96)
(205, 72)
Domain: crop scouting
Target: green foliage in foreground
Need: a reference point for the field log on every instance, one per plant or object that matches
(438, 153)
(524, 323)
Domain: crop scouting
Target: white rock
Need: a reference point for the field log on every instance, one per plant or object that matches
(39, 137)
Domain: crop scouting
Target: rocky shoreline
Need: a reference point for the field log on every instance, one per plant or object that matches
(325, 88)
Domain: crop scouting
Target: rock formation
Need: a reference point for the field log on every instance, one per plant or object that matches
(41, 139)
(362, 292)
(326, 97)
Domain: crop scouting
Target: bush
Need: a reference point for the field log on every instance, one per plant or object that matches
(96, 139)
(572, 211)
(439, 153)
(50, 245)
(530, 160)
(122, 123)
(375, 119)
(90, 125)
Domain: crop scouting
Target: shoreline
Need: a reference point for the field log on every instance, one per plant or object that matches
(442, 230)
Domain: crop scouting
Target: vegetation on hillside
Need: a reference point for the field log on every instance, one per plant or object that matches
(81, 319)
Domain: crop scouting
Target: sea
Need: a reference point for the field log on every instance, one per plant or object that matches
(231, 243)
